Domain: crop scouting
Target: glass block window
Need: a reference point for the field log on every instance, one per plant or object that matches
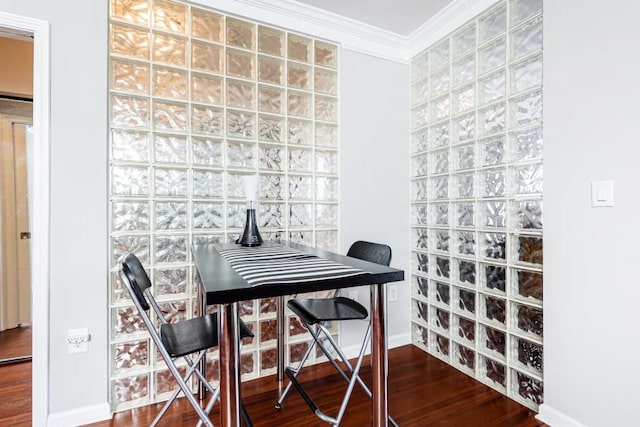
(197, 100)
(476, 179)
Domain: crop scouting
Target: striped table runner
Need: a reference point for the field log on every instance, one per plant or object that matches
(272, 263)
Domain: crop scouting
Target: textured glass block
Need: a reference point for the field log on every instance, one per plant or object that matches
(466, 300)
(528, 214)
(492, 56)
(492, 87)
(170, 50)
(440, 213)
(528, 249)
(170, 215)
(270, 99)
(206, 239)
(206, 120)
(495, 372)
(442, 240)
(240, 124)
(270, 215)
(271, 157)
(527, 388)
(492, 151)
(170, 116)
(464, 214)
(129, 112)
(240, 64)
(420, 116)
(240, 94)
(326, 162)
(300, 187)
(130, 216)
(440, 161)
(170, 281)
(270, 41)
(464, 99)
(419, 140)
(464, 69)
(296, 327)
(207, 184)
(235, 186)
(135, 11)
(420, 262)
(300, 132)
(442, 265)
(526, 75)
(271, 187)
(464, 40)
(439, 135)
(419, 215)
(420, 66)
(170, 182)
(440, 82)
(326, 135)
(299, 104)
(300, 159)
(165, 382)
(440, 108)
(170, 83)
(326, 189)
(419, 238)
(169, 16)
(494, 278)
(526, 110)
(326, 81)
(439, 54)
(126, 321)
(493, 23)
(442, 319)
(299, 48)
(495, 309)
(466, 242)
(327, 240)
(419, 165)
(441, 187)
(129, 146)
(236, 215)
(520, 10)
(298, 76)
(464, 186)
(494, 340)
(206, 25)
(442, 293)
(121, 245)
(419, 91)
(466, 271)
(241, 154)
(240, 33)
(421, 286)
(464, 157)
(129, 181)
(528, 179)
(494, 245)
(301, 215)
(206, 57)
(270, 70)
(465, 358)
(420, 311)
(528, 284)
(208, 215)
(171, 249)
(130, 389)
(492, 119)
(207, 151)
(464, 127)
(205, 88)
(526, 144)
(528, 354)
(493, 183)
(132, 77)
(526, 39)
(440, 345)
(466, 329)
(129, 41)
(130, 355)
(326, 109)
(326, 54)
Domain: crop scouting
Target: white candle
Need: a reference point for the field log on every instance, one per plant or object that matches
(251, 187)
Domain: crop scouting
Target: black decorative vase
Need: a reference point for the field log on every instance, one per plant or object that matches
(251, 235)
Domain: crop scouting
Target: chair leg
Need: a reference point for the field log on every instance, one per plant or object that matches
(296, 371)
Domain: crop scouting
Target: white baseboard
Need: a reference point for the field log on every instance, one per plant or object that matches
(80, 416)
(392, 342)
(555, 418)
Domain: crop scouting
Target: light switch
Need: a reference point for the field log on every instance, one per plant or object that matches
(601, 193)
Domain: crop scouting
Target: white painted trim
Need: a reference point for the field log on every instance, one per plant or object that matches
(81, 416)
(555, 418)
(40, 226)
(394, 341)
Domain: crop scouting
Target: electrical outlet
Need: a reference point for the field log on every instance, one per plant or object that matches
(78, 340)
(392, 293)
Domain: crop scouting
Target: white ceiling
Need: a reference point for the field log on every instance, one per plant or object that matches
(398, 16)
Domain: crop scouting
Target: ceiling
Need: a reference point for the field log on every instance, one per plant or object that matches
(398, 16)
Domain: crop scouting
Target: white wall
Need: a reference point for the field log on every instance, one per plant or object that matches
(374, 172)
(592, 295)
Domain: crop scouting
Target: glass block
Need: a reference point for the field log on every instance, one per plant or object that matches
(526, 144)
(442, 293)
(236, 215)
(235, 186)
(526, 39)
(296, 327)
(129, 146)
(206, 120)
(528, 214)
(207, 151)
(131, 389)
(419, 140)
(326, 135)
(207, 184)
(492, 119)
(419, 91)
(420, 262)
(326, 81)
(206, 239)
(439, 54)
(166, 383)
(494, 310)
(464, 127)
(326, 189)
(441, 319)
(126, 321)
(419, 214)
(169, 49)
(420, 116)
(440, 82)
(170, 215)
(464, 99)
(270, 41)
(527, 179)
(129, 111)
(464, 214)
(528, 354)
(494, 245)
(326, 54)
(170, 16)
(420, 311)
(520, 10)
(440, 161)
(327, 240)
(301, 215)
(492, 151)
(492, 23)
(464, 157)
(170, 281)
(440, 345)
(298, 76)
(129, 181)
(464, 40)
(526, 75)
(129, 41)
(271, 187)
(527, 388)
(270, 100)
(420, 238)
(300, 159)
(465, 271)
(528, 249)
(206, 57)
(526, 110)
(206, 25)
(419, 165)
(466, 242)
(464, 300)
(135, 11)
(492, 56)
(169, 116)
(240, 33)
(420, 66)
(493, 183)
(439, 135)
(300, 132)
(138, 245)
(442, 239)
(493, 373)
(299, 187)
(326, 162)
(443, 266)
(492, 87)
(240, 94)
(493, 341)
(240, 124)
(465, 358)
(421, 286)
(130, 216)
(271, 215)
(464, 185)
(528, 284)
(170, 182)
(440, 213)
(441, 187)
(270, 70)
(466, 329)
(171, 249)
(248, 365)
(240, 64)
(128, 355)
(299, 104)
(132, 77)
(208, 215)
(241, 154)
(268, 360)
(494, 277)
(464, 69)
(326, 109)
(206, 88)
(170, 83)
(271, 157)
(299, 48)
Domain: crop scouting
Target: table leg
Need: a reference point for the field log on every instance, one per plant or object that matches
(379, 356)
(280, 337)
(202, 309)
(229, 344)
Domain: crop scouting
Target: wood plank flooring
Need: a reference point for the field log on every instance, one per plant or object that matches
(15, 378)
(423, 391)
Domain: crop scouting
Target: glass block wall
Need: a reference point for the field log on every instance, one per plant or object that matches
(198, 100)
(476, 147)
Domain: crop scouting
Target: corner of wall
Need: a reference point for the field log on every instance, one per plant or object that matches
(555, 418)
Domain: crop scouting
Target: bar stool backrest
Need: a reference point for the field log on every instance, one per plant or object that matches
(372, 252)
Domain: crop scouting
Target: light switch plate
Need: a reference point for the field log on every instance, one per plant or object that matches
(602, 193)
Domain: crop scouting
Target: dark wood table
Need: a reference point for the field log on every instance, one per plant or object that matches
(222, 285)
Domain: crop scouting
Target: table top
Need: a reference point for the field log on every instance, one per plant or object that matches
(222, 284)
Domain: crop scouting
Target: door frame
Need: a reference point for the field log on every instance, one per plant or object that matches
(40, 256)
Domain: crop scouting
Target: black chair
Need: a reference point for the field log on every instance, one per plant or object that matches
(315, 313)
(177, 340)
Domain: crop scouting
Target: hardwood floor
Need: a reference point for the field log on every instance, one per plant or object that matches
(15, 378)
(423, 391)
